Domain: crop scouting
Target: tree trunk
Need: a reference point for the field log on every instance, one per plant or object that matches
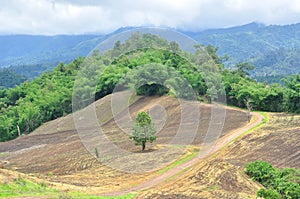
(19, 132)
(143, 146)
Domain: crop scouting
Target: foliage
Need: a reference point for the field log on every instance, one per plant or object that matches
(33, 103)
(268, 194)
(21, 187)
(273, 49)
(143, 130)
(280, 183)
(151, 66)
(293, 93)
(9, 78)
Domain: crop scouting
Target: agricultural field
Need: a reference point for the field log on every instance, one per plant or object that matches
(54, 154)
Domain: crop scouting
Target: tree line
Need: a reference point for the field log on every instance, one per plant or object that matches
(160, 67)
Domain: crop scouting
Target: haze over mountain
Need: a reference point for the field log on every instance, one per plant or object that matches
(273, 49)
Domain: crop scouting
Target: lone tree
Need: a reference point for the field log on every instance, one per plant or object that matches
(143, 130)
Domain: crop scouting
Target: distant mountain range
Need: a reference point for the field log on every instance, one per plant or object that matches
(274, 50)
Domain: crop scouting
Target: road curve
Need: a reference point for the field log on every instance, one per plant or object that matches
(210, 149)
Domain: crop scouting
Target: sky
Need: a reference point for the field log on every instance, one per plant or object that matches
(50, 17)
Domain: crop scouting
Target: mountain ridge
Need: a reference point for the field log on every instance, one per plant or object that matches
(256, 43)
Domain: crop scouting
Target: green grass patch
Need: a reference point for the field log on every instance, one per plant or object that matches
(265, 120)
(213, 188)
(177, 174)
(21, 187)
(4, 154)
(181, 161)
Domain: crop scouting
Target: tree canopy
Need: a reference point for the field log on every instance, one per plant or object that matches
(150, 65)
(143, 130)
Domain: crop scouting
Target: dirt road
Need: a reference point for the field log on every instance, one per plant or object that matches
(209, 150)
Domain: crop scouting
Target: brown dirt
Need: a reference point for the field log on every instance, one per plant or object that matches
(222, 175)
(55, 154)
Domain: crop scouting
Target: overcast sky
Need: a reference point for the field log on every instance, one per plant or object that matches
(103, 16)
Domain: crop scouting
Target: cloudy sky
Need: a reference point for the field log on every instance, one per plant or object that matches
(103, 16)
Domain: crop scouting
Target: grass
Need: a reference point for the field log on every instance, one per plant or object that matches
(181, 161)
(177, 174)
(4, 154)
(20, 187)
(265, 120)
(212, 188)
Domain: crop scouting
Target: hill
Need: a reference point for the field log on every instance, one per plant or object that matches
(63, 150)
(222, 175)
(273, 49)
(166, 69)
(33, 49)
(54, 152)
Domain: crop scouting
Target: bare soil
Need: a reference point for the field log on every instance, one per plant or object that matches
(54, 152)
(222, 175)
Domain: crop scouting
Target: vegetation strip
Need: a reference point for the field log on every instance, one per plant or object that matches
(278, 183)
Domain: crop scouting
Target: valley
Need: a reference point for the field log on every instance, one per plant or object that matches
(196, 125)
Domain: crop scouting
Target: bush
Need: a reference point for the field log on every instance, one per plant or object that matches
(280, 183)
(268, 194)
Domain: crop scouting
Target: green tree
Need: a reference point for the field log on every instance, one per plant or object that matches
(293, 93)
(244, 68)
(143, 130)
(279, 183)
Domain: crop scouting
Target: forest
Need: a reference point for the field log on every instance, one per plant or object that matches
(49, 96)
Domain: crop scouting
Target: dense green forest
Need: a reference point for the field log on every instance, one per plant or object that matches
(50, 96)
(9, 78)
(273, 49)
(279, 183)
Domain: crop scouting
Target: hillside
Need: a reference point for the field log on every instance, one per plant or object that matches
(18, 50)
(166, 69)
(274, 49)
(222, 175)
(54, 152)
(91, 151)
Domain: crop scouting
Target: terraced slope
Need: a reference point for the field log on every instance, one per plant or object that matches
(222, 175)
(54, 152)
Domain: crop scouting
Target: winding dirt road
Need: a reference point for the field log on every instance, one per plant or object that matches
(207, 151)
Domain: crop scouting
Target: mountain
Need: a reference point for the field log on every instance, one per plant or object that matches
(273, 49)
(56, 147)
(35, 49)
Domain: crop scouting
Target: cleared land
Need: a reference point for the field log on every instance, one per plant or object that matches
(222, 175)
(54, 152)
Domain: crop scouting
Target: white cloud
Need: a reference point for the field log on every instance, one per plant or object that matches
(88, 16)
